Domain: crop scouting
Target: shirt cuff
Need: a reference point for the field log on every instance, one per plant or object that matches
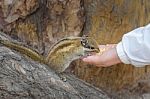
(121, 53)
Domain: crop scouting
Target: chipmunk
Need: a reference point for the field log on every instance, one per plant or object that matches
(61, 54)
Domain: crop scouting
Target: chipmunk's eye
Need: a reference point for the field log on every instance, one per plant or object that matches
(91, 47)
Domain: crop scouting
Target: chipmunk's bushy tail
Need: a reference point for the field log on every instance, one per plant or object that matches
(23, 50)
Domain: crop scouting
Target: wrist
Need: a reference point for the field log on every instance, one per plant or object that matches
(121, 53)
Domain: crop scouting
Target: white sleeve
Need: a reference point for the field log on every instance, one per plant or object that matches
(135, 47)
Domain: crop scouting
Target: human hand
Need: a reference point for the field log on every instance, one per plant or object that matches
(107, 56)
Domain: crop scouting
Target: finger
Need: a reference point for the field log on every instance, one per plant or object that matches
(91, 59)
(101, 46)
(106, 47)
(111, 45)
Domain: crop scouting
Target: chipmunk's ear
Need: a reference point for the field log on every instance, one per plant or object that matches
(84, 36)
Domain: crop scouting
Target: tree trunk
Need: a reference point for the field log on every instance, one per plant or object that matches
(107, 21)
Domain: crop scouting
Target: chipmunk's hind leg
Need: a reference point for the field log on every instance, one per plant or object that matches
(62, 76)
